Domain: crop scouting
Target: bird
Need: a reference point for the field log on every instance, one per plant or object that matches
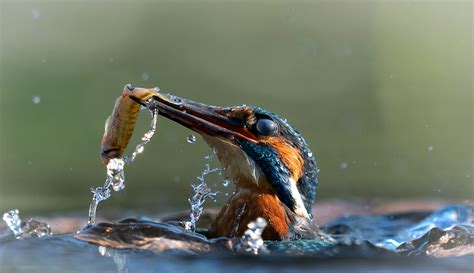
(270, 164)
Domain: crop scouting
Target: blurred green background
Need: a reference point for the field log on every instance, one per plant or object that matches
(382, 91)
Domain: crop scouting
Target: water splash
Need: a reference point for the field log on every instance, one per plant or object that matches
(201, 192)
(115, 170)
(406, 232)
(443, 219)
(12, 218)
(252, 242)
(30, 228)
(120, 258)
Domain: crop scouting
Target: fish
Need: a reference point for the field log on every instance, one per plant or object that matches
(120, 125)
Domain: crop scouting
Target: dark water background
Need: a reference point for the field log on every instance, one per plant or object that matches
(381, 90)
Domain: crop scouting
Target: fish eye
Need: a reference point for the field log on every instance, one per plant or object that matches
(267, 127)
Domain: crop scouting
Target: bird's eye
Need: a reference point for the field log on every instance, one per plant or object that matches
(267, 127)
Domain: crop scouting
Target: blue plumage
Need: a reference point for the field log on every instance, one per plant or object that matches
(270, 164)
(276, 172)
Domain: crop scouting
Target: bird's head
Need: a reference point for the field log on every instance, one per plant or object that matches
(258, 150)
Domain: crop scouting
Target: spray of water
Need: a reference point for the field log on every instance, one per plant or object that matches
(201, 192)
(115, 170)
(252, 242)
(30, 228)
(119, 257)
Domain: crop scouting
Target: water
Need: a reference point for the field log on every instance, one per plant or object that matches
(115, 170)
(362, 243)
(35, 14)
(201, 192)
(30, 228)
(145, 76)
(252, 242)
(12, 218)
(36, 99)
(191, 139)
(405, 232)
(226, 183)
(343, 165)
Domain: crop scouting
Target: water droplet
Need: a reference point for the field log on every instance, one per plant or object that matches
(178, 101)
(35, 14)
(343, 165)
(310, 154)
(145, 76)
(191, 139)
(102, 250)
(430, 148)
(140, 149)
(226, 183)
(36, 99)
(118, 185)
(115, 173)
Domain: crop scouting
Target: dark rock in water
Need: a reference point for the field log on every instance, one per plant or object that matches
(155, 237)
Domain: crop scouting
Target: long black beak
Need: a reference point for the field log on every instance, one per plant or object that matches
(199, 117)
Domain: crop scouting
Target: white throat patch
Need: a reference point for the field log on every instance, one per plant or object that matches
(234, 161)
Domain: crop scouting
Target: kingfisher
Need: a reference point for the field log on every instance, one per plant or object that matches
(270, 164)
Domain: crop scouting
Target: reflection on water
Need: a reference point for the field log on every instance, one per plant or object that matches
(447, 232)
